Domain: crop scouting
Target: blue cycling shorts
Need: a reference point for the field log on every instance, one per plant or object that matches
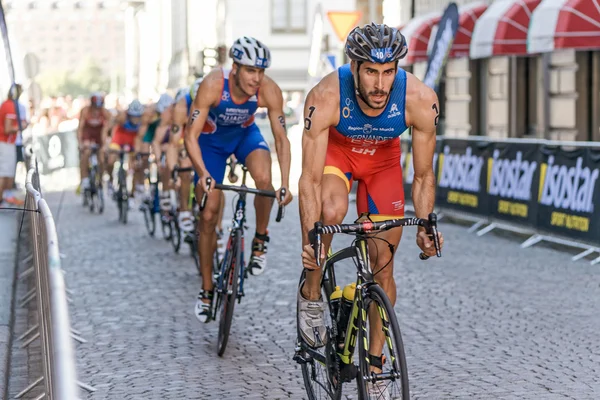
(216, 149)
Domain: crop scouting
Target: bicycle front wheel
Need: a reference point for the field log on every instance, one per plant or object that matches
(381, 326)
(230, 292)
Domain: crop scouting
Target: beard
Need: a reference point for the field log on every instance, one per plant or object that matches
(365, 96)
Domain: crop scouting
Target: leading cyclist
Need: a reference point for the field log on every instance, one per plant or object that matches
(353, 121)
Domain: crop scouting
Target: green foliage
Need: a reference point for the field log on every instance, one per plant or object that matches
(87, 78)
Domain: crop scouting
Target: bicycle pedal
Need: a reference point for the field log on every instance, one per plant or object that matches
(299, 358)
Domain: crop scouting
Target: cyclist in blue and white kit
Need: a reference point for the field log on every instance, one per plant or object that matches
(221, 123)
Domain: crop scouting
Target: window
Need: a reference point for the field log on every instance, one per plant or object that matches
(288, 16)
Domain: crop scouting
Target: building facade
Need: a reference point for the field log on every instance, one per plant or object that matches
(518, 68)
(64, 33)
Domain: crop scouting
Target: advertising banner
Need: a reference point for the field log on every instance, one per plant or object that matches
(512, 182)
(442, 44)
(56, 150)
(461, 177)
(568, 192)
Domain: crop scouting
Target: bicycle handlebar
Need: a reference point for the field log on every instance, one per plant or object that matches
(243, 189)
(430, 225)
(177, 170)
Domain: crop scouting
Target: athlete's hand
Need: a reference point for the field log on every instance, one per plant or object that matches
(425, 242)
(204, 184)
(308, 257)
(287, 199)
(180, 113)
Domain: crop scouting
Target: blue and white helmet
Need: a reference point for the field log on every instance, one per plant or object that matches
(135, 109)
(164, 102)
(251, 52)
(181, 93)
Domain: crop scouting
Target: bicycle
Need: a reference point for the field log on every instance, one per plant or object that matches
(348, 319)
(150, 204)
(232, 269)
(121, 196)
(94, 191)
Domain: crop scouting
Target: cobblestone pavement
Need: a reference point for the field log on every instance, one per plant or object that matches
(486, 321)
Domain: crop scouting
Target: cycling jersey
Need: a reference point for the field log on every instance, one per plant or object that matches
(93, 125)
(124, 135)
(151, 131)
(229, 129)
(367, 149)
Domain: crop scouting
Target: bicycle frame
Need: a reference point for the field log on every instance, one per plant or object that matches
(360, 252)
(238, 221)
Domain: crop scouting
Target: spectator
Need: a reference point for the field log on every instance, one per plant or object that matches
(9, 129)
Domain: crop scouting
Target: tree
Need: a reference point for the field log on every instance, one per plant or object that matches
(87, 78)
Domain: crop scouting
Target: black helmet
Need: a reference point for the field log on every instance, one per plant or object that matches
(376, 43)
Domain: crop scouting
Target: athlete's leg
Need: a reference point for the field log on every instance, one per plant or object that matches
(382, 196)
(84, 160)
(334, 207)
(215, 163)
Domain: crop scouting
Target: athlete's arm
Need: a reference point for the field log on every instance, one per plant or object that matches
(106, 126)
(272, 98)
(82, 117)
(209, 93)
(422, 114)
(321, 111)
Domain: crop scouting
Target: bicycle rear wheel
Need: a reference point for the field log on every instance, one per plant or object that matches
(123, 197)
(175, 234)
(229, 295)
(381, 314)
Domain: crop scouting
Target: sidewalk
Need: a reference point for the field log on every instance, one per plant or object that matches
(8, 248)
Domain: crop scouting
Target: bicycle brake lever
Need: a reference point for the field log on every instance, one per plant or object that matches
(280, 211)
(205, 194)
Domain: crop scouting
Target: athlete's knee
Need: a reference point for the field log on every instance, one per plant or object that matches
(333, 211)
(262, 180)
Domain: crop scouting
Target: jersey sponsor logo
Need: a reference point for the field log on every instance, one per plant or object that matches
(461, 171)
(398, 205)
(568, 188)
(364, 150)
(225, 96)
(511, 178)
(234, 116)
(394, 112)
(348, 108)
(253, 99)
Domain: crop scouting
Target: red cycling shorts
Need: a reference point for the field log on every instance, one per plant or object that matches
(122, 137)
(377, 168)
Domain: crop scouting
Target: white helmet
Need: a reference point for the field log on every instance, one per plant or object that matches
(135, 109)
(251, 52)
(194, 88)
(163, 102)
(181, 93)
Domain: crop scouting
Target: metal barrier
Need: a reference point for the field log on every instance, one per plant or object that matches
(53, 327)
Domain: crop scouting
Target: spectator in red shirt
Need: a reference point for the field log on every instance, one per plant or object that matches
(9, 129)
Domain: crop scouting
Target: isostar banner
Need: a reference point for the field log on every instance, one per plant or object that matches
(512, 176)
(568, 192)
(461, 177)
(441, 47)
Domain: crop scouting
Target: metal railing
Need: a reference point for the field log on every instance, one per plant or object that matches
(53, 327)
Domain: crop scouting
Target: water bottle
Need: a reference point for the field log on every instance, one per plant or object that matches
(345, 310)
(334, 300)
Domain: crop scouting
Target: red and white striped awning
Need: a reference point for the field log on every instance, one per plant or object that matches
(417, 32)
(502, 29)
(467, 17)
(565, 24)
